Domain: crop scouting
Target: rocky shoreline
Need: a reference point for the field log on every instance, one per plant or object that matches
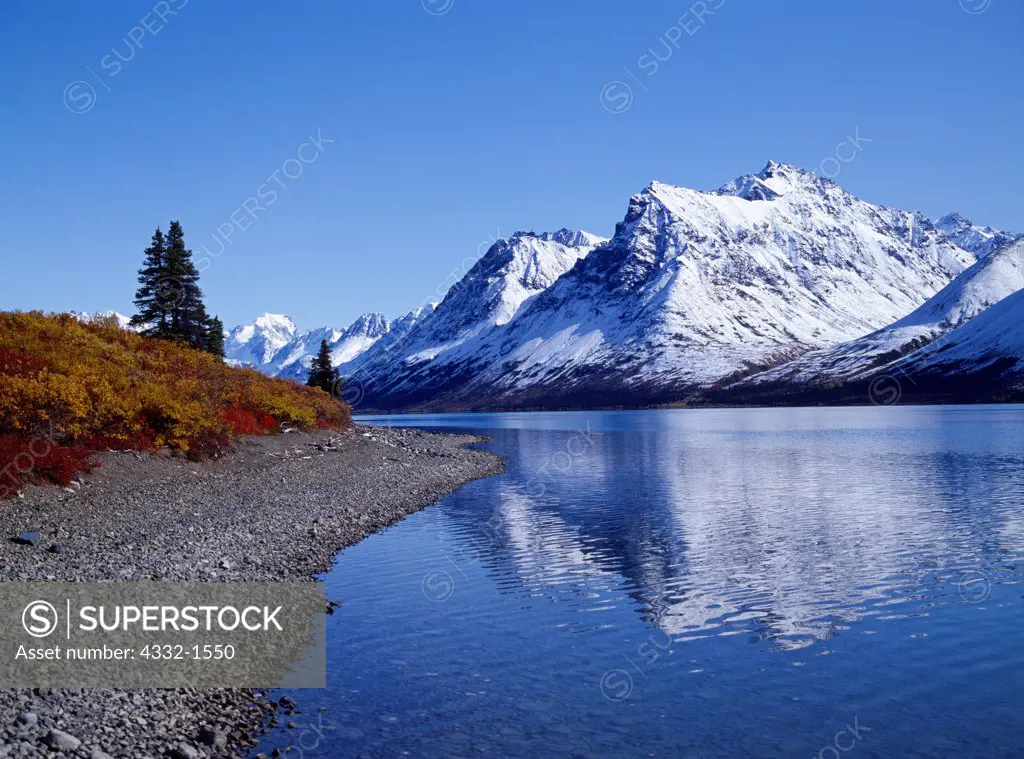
(276, 508)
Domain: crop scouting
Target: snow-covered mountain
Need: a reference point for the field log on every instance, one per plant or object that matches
(260, 343)
(694, 288)
(397, 332)
(506, 279)
(274, 345)
(994, 277)
(776, 279)
(978, 240)
(345, 344)
(122, 321)
(986, 352)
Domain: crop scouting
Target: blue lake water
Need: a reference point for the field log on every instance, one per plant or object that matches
(705, 583)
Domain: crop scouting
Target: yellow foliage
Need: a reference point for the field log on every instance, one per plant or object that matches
(87, 382)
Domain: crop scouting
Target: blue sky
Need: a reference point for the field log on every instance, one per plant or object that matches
(453, 122)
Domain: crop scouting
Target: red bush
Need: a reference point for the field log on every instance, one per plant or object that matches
(143, 439)
(37, 460)
(243, 421)
(19, 364)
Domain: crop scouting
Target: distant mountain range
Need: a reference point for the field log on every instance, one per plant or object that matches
(778, 287)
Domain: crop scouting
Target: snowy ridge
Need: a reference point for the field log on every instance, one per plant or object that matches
(275, 346)
(984, 284)
(694, 288)
(507, 277)
(124, 322)
(261, 342)
(345, 344)
(981, 241)
(991, 344)
(397, 333)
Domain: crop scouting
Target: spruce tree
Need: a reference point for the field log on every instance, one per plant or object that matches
(322, 372)
(189, 320)
(215, 337)
(152, 299)
(169, 301)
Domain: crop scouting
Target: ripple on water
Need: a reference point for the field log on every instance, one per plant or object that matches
(718, 584)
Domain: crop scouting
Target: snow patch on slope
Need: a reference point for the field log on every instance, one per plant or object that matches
(994, 340)
(984, 284)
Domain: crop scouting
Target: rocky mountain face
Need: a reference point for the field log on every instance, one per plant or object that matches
(274, 345)
(695, 289)
(979, 240)
(987, 351)
(775, 281)
(462, 328)
(994, 277)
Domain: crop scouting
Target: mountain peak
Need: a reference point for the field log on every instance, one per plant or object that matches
(770, 183)
(276, 322)
(953, 219)
(982, 241)
(784, 177)
(776, 167)
(571, 238)
(373, 324)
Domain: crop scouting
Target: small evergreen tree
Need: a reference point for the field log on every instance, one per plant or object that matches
(189, 321)
(322, 372)
(215, 337)
(169, 301)
(152, 299)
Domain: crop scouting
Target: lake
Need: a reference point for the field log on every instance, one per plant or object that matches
(708, 583)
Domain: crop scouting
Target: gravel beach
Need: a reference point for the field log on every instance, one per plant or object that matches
(276, 508)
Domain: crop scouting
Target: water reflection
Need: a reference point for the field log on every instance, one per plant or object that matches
(694, 583)
(786, 526)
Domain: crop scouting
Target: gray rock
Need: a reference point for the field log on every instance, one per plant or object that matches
(151, 516)
(28, 718)
(56, 548)
(208, 736)
(61, 741)
(28, 538)
(185, 751)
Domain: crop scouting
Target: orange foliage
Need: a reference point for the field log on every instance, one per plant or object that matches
(97, 386)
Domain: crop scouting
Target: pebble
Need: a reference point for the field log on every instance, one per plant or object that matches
(213, 738)
(61, 741)
(146, 516)
(185, 751)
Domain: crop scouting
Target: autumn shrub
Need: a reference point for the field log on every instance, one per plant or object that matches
(93, 386)
(243, 421)
(40, 459)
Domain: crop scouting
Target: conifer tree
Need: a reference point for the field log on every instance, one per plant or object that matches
(152, 299)
(169, 301)
(215, 337)
(322, 372)
(189, 321)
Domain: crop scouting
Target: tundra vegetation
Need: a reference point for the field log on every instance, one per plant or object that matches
(70, 388)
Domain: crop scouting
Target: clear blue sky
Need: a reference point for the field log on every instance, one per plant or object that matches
(450, 125)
